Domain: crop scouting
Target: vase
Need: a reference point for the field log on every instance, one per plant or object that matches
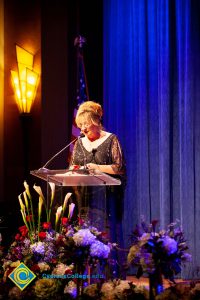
(155, 283)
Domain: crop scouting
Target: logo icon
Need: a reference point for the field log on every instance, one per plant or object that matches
(22, 276)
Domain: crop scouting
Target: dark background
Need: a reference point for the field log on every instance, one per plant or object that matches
(47, 29)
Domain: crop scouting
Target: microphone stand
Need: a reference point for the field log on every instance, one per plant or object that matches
(85, 170)
(43, 168)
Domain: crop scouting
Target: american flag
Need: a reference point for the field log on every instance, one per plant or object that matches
(82, 88)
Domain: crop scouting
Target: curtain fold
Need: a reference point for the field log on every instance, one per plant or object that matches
(151, 101)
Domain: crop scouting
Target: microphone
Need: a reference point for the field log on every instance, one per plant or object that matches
(94, 153)
(43, 168)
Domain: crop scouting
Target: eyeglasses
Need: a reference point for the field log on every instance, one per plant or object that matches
(85, 125)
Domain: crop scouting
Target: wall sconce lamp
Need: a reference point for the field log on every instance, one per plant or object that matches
(25, 80)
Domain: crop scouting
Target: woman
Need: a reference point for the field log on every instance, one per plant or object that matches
(101, 150)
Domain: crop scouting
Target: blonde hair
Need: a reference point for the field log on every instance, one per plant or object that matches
(89, 111)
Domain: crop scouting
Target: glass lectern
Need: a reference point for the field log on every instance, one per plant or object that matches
(89, 186)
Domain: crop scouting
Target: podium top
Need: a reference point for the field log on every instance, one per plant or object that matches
(79, 177)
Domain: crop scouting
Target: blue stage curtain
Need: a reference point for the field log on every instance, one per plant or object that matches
(152, 102)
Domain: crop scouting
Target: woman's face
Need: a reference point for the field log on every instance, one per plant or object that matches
(89, 128)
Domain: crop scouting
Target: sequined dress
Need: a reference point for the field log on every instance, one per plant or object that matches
(109, 152)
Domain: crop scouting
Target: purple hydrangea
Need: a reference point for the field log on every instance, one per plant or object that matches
(99, 249)
(38, 248)
(83, 237)
(170, 245)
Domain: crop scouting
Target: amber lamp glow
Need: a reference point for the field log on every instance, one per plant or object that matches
(25, 80)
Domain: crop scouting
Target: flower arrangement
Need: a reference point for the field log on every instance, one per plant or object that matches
(158, 253)
(182, 290)
(54, 250)
(64, 252)
(116, 289)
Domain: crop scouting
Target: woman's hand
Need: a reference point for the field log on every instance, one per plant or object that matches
(109, 169)
(92, 166)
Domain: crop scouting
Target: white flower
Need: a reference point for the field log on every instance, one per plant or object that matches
(107, 288)
(27, 242)
(39, 191)
(52, 186)
(141, 289)
(27, 189)
(21, 203)
(71, 289)
(83, 237)
(61, 268)
(6, 264)
(58, 212)
(43, 266)
(119, 289)
(71, 210)
(66, 200)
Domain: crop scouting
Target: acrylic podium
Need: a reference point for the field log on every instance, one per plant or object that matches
(89, 185)
(79, 177)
